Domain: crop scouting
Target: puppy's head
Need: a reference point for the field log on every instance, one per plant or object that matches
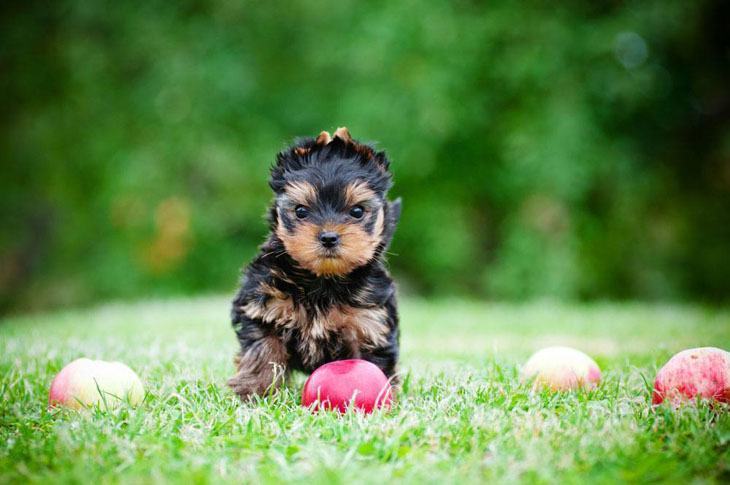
(331, 211)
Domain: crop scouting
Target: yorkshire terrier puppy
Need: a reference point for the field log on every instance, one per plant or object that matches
(318, 291)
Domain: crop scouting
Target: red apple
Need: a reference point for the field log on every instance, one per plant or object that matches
(347, 383)
(83, 382)
(561, 369)
(703, 372)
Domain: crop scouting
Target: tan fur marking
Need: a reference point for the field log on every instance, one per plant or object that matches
(365, 151)
(358, 192)
(362, 297)
(343, 133)
(356, 246)
(301, 192)
(323, 138)
(281, 276)
(360, 328)
(379, 224)
(260, 368)
(302, 245)
(301, 151)
(279, 309)
(366, 324)
(269, 290)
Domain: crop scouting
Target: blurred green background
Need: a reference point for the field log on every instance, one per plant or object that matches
(572, 150)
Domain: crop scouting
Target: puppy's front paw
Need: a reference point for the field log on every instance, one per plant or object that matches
(246, 386)
(259, 381)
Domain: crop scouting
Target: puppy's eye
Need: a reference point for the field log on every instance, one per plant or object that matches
(301, 211)
(357, 211)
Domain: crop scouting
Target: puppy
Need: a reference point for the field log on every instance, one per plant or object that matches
(318, 290)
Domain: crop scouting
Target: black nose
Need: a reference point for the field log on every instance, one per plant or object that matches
(329, 239)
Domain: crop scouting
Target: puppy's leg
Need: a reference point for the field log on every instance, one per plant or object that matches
(386, 356)
(260, 366)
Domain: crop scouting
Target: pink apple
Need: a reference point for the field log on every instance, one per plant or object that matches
(82, 383)
(347, 383)
(561, 369)
(703, 372)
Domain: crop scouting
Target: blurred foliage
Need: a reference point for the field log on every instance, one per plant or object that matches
(570, 150)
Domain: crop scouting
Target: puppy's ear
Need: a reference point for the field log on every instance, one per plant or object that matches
(392, 215)
(293, 158)
(343, 133)
(324, 138)
(343, 142)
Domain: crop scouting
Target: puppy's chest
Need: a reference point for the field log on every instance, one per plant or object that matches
(316, 333)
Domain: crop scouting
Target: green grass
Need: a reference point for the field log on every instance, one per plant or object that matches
(462, 414)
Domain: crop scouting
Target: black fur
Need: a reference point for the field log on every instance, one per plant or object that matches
(329, 167)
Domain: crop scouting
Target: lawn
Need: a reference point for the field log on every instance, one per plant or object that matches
(461, 415)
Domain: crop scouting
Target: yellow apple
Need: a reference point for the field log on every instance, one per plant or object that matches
(85, 382)
(561, 369)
